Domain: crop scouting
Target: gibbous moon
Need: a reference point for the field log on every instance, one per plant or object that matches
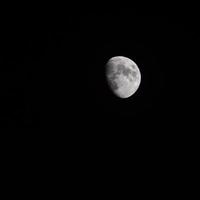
(123, 76)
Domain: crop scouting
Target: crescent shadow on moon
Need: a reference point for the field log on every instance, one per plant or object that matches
(123, 76)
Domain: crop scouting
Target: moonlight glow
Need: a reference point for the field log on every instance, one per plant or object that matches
(123, 76)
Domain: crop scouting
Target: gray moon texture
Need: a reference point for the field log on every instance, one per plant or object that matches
(123, 76)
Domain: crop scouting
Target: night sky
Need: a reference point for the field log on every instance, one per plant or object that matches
(52, 78)
(52, 70)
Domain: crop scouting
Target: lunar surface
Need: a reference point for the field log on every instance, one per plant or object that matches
(123, 76)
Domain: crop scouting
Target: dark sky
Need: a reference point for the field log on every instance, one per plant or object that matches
(165, 49)
(52, 78)
(52, 70)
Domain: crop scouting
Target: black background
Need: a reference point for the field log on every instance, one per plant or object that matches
(52, 69)
(52, 73)
(52, 78)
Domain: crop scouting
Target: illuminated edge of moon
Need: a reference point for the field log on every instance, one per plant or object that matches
(127, 62)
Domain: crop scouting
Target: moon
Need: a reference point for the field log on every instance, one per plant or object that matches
(123, 76)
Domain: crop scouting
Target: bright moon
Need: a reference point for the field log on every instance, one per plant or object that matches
(123, 76)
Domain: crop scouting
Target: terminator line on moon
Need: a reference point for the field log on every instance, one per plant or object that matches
(123, 76)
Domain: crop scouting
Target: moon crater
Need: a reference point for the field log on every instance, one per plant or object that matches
(123, 76)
